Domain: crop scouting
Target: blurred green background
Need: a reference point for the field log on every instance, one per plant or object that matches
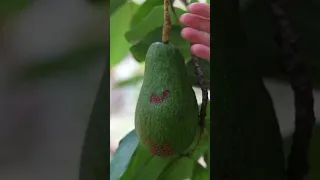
(52, 55)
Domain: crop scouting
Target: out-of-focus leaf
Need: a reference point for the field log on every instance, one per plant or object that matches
(179, 169)
(119, 24)
(122, 156)
(140, 49)
(75, 60)
(152, 21)
(95, 152)
(314, 156)
(130, 81)
(115, 5)
(205, 67)
(11, 7)
(144, 10)
(200, 173)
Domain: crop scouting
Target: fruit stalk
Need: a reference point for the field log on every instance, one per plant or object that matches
(167, 23)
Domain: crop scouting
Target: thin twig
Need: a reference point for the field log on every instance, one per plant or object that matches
(300, 80)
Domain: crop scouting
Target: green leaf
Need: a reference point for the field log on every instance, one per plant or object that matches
(205, 67)
(143, 11)
(140, 49)
(200, 173)
(145, 165)
(152, 21)
(202, 147)
(115, 5)
(122, 156)
(207, 158)
(179, 169)
(119, 24)
(75, 60)
(11, 7)
(130, 81)
(204, 144)
(95, 152)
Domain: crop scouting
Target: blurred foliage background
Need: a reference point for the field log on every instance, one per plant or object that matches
(52, 55)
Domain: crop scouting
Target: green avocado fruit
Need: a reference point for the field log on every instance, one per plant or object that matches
(167, 114)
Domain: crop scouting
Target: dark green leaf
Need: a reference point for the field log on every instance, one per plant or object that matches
(122, 156)
(95, 152)
(140, 49)
(152, 21)
(202, 147)
(144, 10)
(115, 5)
(204, 143)
(11, 7)
(200, 173)
(130, 81)
(145, 165)
(119, 24)
(207, 158)
(205, 67)
(78, 59)
(179, 169)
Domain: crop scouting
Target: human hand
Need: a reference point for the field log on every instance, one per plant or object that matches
(198, 30)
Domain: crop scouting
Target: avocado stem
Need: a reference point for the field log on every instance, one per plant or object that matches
(167, 23)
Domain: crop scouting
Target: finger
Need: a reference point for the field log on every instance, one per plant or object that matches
(201, 51)
(196, 22)
(201, 9)
(196, 36)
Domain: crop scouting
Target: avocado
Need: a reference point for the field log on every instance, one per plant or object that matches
(167, 114)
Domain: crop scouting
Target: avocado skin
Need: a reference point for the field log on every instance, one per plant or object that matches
(166, 116)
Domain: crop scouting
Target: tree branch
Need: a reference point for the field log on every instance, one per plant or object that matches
(300, 80)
